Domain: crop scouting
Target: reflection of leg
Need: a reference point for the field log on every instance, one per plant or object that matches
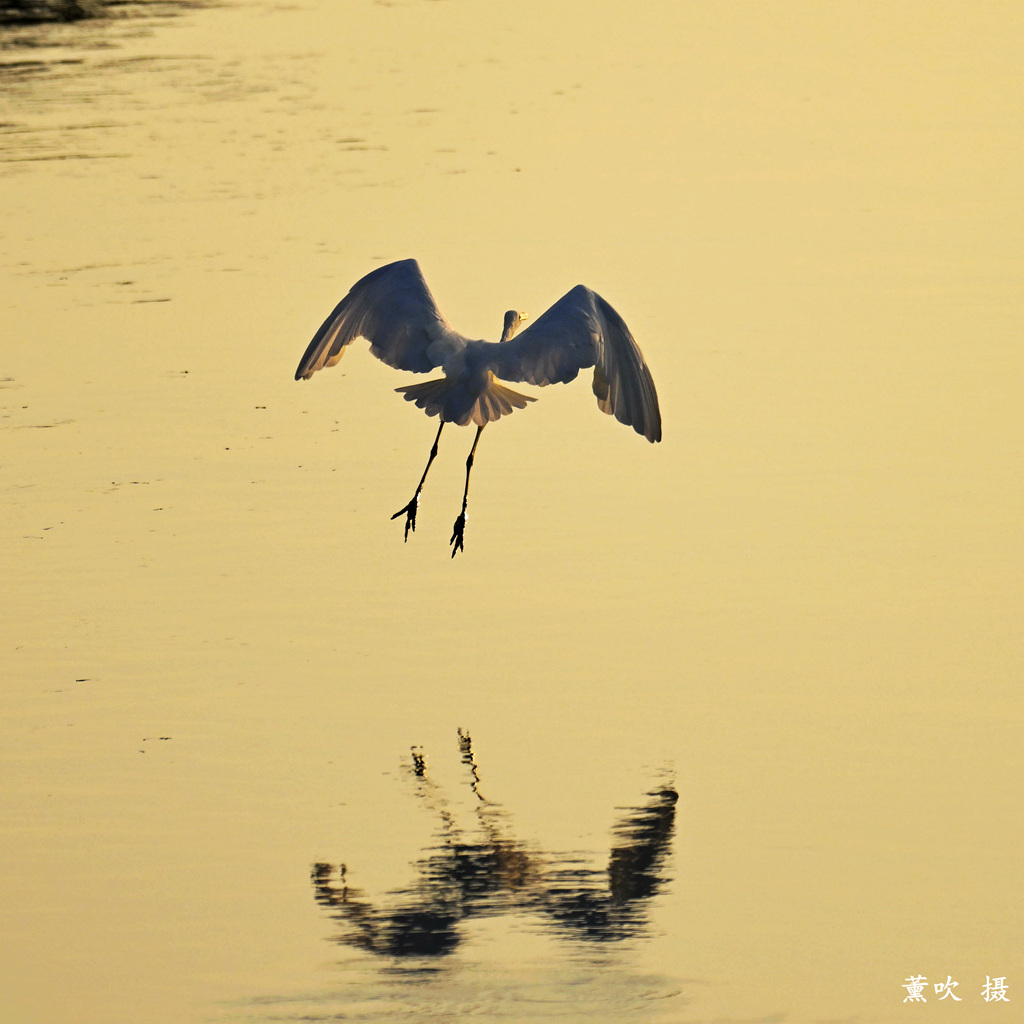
(466, 749)
(460, 523)
(410, 509)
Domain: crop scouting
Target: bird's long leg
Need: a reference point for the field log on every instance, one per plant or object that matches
(460, 523)
(410, 510)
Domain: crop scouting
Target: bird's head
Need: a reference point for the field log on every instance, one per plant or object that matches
(513, 319)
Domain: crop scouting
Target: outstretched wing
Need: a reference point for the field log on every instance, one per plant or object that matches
(578, 331)
(393, 309)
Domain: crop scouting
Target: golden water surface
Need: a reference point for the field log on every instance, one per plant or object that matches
(740, 713)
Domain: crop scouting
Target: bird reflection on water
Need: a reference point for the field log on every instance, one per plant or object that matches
(492, 873)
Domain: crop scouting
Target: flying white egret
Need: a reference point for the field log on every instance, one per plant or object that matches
(393, 309)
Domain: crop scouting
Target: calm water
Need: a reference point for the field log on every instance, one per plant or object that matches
(722, 729)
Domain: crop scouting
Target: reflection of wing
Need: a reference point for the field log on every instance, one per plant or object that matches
(393, 309)
(578, 331)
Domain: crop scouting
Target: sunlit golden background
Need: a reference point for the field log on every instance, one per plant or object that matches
(802, 609)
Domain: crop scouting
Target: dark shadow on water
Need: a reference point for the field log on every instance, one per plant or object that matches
(55, 12)
(34, 12)
(491, 872)
(71, 91)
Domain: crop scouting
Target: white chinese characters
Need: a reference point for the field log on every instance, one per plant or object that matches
(915, 986)
(994, 990)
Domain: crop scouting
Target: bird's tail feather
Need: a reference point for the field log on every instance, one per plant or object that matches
(450, 400)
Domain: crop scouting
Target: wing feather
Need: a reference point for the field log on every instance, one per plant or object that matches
(581, 330)
(393, 309)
